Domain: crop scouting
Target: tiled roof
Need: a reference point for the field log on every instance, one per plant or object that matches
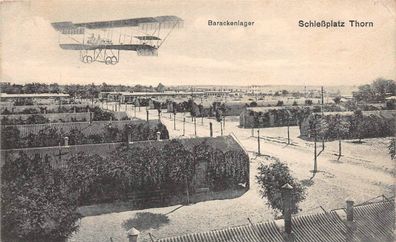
(373, 222)
(318, 227)
(262, 232)
(224, 143)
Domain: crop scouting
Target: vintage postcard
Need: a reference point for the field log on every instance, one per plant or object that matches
(197, 121)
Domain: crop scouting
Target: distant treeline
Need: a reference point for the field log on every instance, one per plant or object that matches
(75, 90)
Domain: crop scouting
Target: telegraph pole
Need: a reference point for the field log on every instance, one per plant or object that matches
(315, 151)
(195, 126)
(322, 99)
(184, 126)
(174, 121)
(258, 142)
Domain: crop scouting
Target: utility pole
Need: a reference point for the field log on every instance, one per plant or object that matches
(258, 142)
(288, 132)
(184, 126)
(315, 156)
(322, 116)
(221, 128)
(195, 126)
(174, 121)
(211, 129)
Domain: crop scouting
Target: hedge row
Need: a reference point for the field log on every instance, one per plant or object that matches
(280, 116)
(359, 125)
(37, 119)
(144, 169)
(11, 137)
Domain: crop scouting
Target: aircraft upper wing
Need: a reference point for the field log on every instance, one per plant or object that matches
(116, 23)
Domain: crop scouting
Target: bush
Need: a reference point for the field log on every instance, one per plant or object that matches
(100, 115)
(36, 119)
(147, 168)
(271, 178)
(35, 202)
(10, 138)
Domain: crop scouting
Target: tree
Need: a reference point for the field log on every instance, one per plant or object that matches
(382, 87)
(37, 119)
(308, 102)
(279, 103)
(160, 87)
(271, 178)
(285, 92)
(376, 91)
(35, 201)
(358, 124)
(337, 100)
(341, 128)
(10, 137)
(322, 127)
(253, 104)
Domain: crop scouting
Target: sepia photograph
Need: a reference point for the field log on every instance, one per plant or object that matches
(197, 121)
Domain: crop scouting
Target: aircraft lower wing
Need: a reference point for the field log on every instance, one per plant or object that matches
(131, 47)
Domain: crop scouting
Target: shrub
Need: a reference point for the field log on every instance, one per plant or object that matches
(271, 178)
(10, 138)
(35, 202)
(36, 119)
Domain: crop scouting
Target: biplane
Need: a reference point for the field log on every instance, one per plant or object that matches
(103, 41)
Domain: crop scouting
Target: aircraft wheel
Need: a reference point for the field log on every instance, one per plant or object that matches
(89, 59)
(114, 60)
(108, 60)
(84, 59)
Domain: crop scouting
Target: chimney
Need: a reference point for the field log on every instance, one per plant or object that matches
(287, 191)
(158, 135)
(350, 233)
(133, 235)
(66, 141)
(349, 210)
(129, 138)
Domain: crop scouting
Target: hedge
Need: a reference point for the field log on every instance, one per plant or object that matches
(143, 169)
(361, 124)
(12, 137)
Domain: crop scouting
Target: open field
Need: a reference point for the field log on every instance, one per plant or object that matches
(365, 171)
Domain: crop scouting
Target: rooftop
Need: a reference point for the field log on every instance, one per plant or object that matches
(374, 222)
(33, 95)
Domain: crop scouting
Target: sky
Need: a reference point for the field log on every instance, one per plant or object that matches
(274, 51)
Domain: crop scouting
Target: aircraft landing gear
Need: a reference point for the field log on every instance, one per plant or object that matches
(111, 60)
(87, 59)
